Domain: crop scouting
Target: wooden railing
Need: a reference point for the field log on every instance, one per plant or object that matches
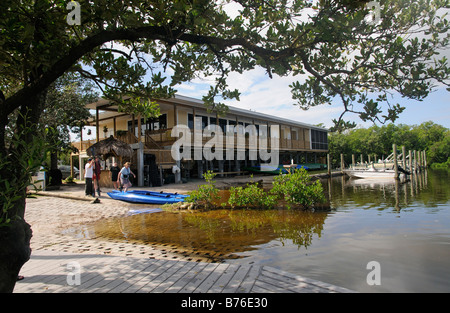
(239, 141)
(160, 138)
(127, 137)
(156, 139)
(163, 156)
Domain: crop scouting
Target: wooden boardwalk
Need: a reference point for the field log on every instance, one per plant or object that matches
(57, 272)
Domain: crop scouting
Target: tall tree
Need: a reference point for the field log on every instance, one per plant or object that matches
(428, 136)
(64, 111)
(119, 43)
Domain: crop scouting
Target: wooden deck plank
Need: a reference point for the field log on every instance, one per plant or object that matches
(155, 265)
(152, 279)
(227, 273)
(199, 278)
(208, 283)
(187, 278)
(249, 280)
(47, 272)
(237, 279)
(170, 281)
(163, 280)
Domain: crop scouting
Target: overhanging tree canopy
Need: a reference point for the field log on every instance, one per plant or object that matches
(119, 43)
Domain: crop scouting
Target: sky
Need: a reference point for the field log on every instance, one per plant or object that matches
(273, 97)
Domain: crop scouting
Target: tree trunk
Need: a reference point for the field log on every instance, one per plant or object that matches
(18, 160)
(15, 251)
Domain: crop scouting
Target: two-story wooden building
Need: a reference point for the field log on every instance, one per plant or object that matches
(152, 139)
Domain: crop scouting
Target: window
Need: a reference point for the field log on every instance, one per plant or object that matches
(223, 124)
(319, 139)
(204, 121)
(231, 124)
(152, 124)
(190, 121)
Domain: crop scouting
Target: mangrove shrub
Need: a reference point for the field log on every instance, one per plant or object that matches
(297, 189)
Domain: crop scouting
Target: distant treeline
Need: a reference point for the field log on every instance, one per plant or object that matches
(376, 140)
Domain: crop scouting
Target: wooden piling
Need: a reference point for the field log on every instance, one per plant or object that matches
(404, 157)
(328, 165)
(394, 147)
(342, 163)
(419, 161)
(415, 161)
(353, 161)
(410, 162)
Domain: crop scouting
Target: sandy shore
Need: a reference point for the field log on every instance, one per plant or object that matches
(60, 220)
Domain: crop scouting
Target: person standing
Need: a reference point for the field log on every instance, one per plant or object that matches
(115, 169)
(96, 176)
(88, 173)
(124, 176)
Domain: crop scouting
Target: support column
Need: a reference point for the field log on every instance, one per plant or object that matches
(97, 125)
(221, 162)
(140, 164)
(200, 168)
(139, 129)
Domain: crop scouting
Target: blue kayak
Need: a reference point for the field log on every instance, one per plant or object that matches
(144, 196)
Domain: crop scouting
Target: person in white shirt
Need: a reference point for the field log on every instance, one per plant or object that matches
(88, 173)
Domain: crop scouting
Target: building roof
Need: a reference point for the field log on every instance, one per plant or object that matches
(102, 104)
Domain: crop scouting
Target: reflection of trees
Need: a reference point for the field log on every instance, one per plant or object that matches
(208, 225)
(298, 226)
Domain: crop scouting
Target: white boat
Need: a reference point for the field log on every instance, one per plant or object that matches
(371, 173)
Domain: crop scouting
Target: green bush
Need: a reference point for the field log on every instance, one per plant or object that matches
(443, 165)
(251, 196)
(297, 189)
(69, 179)
(205, 193)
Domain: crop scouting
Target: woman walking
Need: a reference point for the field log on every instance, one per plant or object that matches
(124, 176)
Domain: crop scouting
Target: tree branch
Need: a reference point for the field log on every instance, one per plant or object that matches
(133, 34)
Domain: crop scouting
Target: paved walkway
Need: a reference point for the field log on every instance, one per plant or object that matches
(58, 272)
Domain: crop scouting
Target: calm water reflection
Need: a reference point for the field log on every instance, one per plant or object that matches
(403, 226)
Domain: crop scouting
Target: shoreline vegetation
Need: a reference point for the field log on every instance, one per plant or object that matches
(294, 190)
(443, 165)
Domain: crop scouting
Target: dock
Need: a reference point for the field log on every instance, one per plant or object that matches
(59, 272)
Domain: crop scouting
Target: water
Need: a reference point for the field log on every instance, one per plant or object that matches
(405, 227)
